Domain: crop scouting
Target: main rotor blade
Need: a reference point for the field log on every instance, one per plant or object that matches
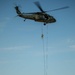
(39, 6)
(58, 9)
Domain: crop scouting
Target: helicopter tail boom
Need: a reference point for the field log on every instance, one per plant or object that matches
(18, 11)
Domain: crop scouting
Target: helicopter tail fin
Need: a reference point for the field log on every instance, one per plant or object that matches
(18, 11)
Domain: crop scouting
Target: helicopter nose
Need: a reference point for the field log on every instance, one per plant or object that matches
(54, 20)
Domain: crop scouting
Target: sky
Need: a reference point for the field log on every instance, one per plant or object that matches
(21, 45)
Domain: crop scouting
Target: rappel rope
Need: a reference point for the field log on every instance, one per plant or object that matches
(45, 50)
(44, 64)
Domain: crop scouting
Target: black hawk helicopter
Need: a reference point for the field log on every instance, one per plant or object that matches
(41, 16)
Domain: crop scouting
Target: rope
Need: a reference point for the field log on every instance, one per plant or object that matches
(45, 51)
(42, 36)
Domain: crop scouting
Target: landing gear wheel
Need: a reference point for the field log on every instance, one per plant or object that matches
(24, 19)
(44, 23)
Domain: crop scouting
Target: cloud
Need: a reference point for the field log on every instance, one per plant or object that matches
(72, 46)
(71, 43)
(10, 61)
(16, 48)
(4, 62)
(3, 23)
(69, 40)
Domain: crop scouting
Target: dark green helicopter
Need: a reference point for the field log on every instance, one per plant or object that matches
(41, 16)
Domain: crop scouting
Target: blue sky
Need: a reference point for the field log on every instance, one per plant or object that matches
(21, 47)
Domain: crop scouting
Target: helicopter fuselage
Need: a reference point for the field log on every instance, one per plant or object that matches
(39, 17)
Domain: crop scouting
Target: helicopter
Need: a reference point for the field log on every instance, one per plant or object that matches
(41, 16)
